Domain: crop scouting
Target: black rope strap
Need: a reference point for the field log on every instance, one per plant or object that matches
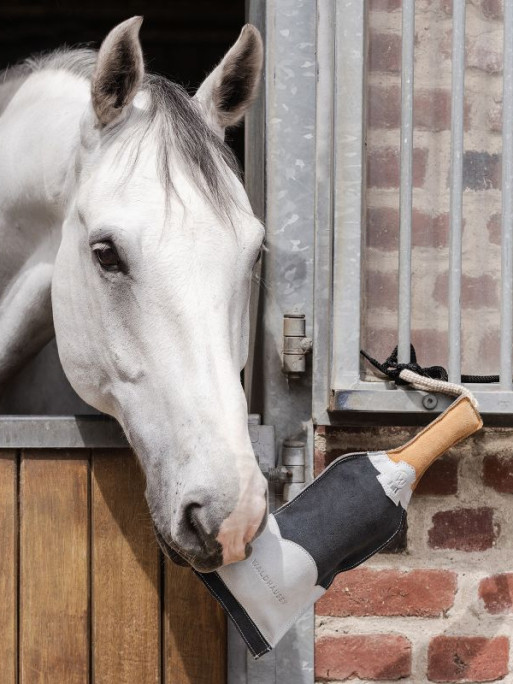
(391, 368)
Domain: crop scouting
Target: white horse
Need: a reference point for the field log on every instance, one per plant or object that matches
(126, 232)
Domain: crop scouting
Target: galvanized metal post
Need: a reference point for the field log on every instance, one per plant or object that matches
(288, 190)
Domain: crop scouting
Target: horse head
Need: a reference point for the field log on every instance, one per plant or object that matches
(151, 286)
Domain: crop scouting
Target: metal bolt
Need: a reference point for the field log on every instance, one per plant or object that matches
(429, 402)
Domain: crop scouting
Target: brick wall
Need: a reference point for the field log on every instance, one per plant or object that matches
(431, 172)
(439, 606)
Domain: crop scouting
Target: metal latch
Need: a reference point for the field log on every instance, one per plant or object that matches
(295, 345)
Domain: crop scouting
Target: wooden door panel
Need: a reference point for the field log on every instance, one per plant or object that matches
(91, 588)
(8, 565)
(126, 574)
(194, 631)
(54, 563)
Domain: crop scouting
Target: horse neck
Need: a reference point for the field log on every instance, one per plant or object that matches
(39, 134)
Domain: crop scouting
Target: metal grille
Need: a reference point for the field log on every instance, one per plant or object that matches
(340, 201)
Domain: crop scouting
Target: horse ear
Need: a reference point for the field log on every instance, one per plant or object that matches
(119, 71)
(226, 94)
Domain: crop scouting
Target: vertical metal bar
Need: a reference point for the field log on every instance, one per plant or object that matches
(457, 101)
(349, 184)
(324, 196)
(404, 303)
(507, 203)
(254, 180)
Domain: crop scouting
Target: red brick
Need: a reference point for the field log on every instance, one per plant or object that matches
(479, 292)
(385, 52)
(381, 290)
(383, 228)
(432, 110)
(494, 229)
(497, 593)
(467, 659)
(384, 107)
(384, 5)
(463, 529)
(427, 230)
(476, 292)
(440, 480)
(319, 455)
(492, 9)
(383, 167)
(447, 7)
(367, 656)
(482, 53)
(481, 170)
(498, 472)
(363, 592)
(430, 345)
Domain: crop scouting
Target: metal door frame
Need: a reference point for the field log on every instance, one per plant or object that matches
(280, 179)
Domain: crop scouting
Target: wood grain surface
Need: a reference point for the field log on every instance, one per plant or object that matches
(53, 578)
(8, 565)
(86, 592)
(126, 572)
(194, 631)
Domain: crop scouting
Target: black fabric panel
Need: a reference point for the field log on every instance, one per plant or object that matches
(254, 639)
(342, 518)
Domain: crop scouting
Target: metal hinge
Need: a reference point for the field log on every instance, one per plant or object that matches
(295, 344)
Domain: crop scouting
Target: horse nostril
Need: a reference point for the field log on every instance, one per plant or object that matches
(196, 520)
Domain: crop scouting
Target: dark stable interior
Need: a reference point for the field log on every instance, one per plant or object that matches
(181, 40)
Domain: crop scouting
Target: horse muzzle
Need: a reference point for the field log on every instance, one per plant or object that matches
(206, 546)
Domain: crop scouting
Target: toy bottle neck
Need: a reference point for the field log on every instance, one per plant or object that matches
(457, 422)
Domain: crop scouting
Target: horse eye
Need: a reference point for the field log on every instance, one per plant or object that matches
(107, 256)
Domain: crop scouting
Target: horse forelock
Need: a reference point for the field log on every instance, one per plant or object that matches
(172, 116)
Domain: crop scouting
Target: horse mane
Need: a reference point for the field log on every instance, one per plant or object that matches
(172, 114)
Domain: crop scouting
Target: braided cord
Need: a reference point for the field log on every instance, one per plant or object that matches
(427, 384)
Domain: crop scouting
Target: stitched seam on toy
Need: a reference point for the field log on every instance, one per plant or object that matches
(372, 553)
(425, 431)
(239, 629)
(341, 459)
(259, 629)
(216, 595)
